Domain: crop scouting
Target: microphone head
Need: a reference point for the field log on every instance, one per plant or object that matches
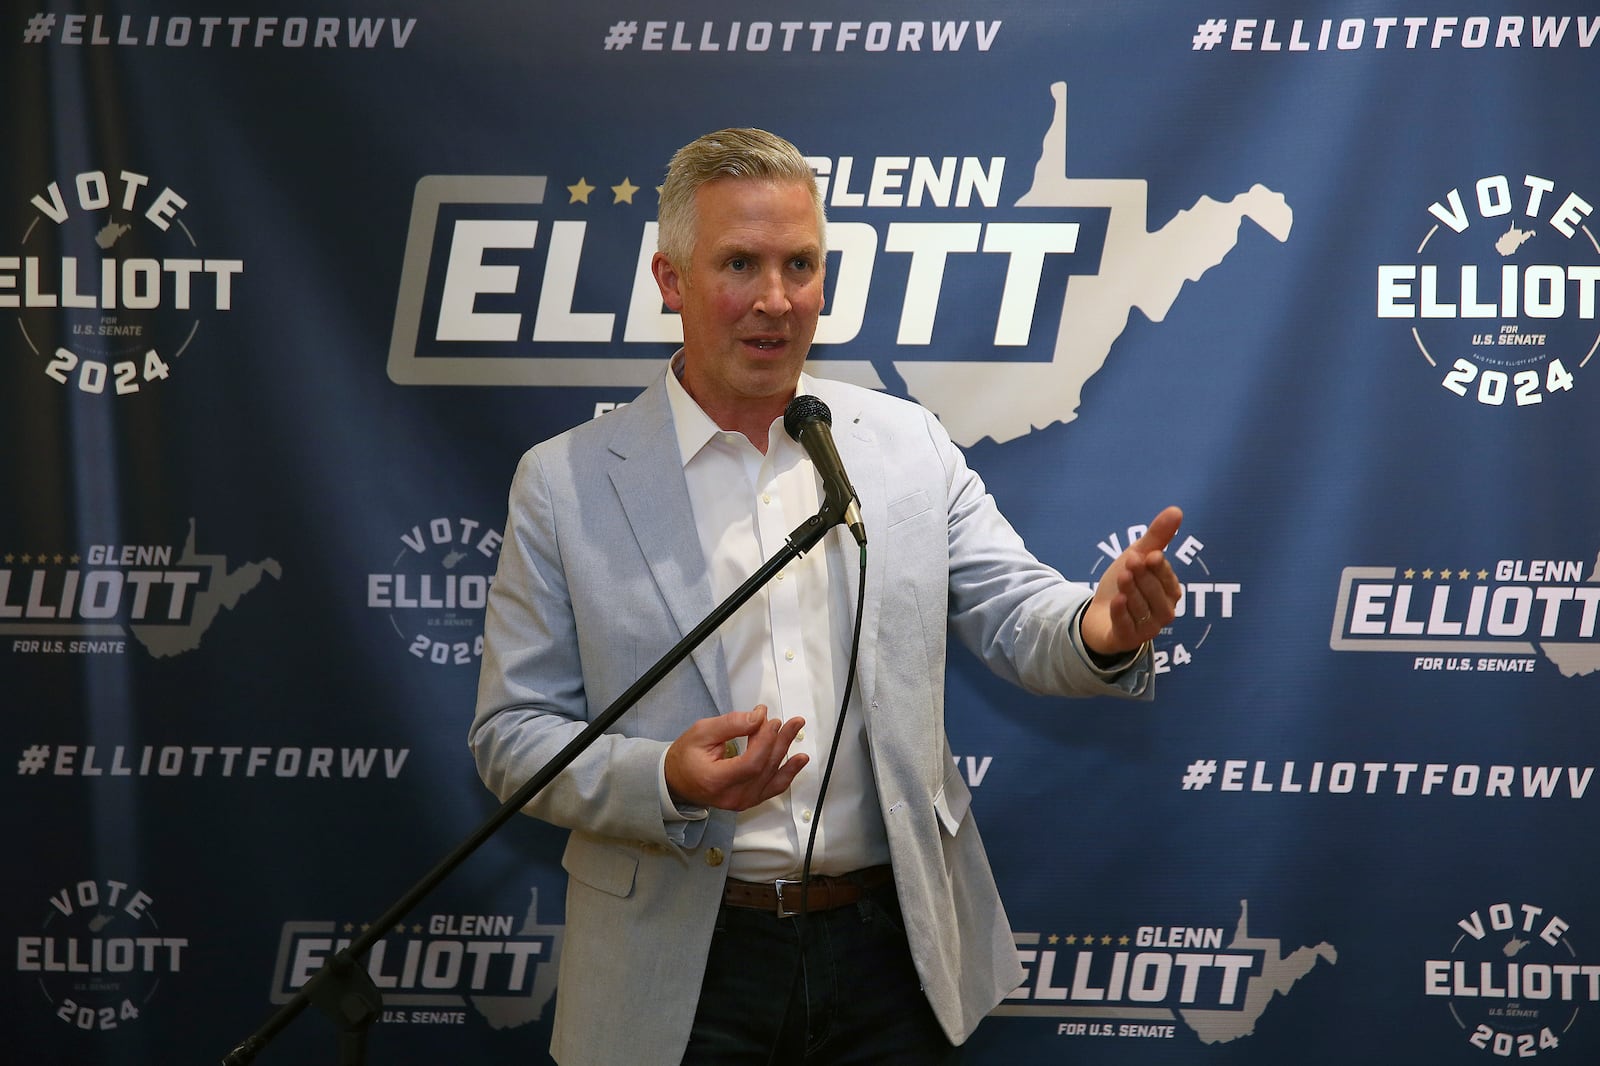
(803, 410)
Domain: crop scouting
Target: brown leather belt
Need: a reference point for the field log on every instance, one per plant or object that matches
(784, 897)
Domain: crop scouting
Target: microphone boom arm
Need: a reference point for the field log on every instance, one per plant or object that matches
(343, 989)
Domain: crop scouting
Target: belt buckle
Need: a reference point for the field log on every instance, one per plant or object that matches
(783, 909)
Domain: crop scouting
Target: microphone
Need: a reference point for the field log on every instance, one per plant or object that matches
(808, 420)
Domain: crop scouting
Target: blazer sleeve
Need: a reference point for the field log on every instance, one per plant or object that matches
(532, 689)
(1014, 612)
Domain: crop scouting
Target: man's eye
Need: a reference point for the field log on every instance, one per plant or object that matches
(738, 263)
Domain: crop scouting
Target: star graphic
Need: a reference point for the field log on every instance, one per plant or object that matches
(580, 192)
(1052, 938)
(10, 558)
(624, 192)
(1072, 938)
(1482, 574)
(1106, 939)
(1444, 574)
(1124, 939)
(1463, 574)
(1410, 574)
(1427, 574)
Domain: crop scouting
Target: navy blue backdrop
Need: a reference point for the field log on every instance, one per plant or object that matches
(286, 291)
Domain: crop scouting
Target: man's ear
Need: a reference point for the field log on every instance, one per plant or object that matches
(668, 280)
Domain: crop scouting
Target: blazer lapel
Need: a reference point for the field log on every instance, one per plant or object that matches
(648, 477)
(863, 464)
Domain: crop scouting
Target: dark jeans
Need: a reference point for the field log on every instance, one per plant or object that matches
(854, 999)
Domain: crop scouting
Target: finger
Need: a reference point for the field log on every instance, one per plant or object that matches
(751, 793)
(1148, 613)
(1158, 584)
(1161, 530)
(1130, 584)
(785, 776)
(1139, 614)
(776, 737)
(763, 753)
(755, 719)
(1142, 598)
(716, 730)
(1144, 588)
(779, 767)
(764, 772)
(762, 739)
(1171, 589)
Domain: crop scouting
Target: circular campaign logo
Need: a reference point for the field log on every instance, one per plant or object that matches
(1501, 290)
(1206, 600)
(100, 956)
(1513, 980)
(110, 285)
(436, 587)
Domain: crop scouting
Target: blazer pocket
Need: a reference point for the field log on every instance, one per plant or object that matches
(609, 869)
(952, 801)
(907, 507)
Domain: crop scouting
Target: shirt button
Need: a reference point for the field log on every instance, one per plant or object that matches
(714, 857)
(766, 497)
(800, 735)
(805, 815)
(789, 655)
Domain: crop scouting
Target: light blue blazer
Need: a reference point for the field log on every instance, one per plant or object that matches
(601, 572)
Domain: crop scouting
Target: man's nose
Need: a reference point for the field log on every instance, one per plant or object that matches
(772, 295)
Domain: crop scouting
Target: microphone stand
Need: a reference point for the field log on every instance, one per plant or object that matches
(343, 989)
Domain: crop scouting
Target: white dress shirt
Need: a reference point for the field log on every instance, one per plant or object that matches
(787, 647)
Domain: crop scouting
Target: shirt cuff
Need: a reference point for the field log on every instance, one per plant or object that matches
(1106, 668)
(674, 819)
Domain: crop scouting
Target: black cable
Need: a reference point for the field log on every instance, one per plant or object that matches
(838, 732)
(822, 794)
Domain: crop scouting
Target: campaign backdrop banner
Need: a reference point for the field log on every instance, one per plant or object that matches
(286, 290)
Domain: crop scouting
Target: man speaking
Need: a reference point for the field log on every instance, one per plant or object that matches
(723, 906)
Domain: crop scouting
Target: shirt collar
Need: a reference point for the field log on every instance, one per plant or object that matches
(692, 425)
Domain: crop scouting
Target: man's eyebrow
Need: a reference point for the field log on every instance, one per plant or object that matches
(740, 250)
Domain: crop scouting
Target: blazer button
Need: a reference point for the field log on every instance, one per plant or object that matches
(714, 857)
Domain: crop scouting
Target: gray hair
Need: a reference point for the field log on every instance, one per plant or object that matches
(731, 153)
